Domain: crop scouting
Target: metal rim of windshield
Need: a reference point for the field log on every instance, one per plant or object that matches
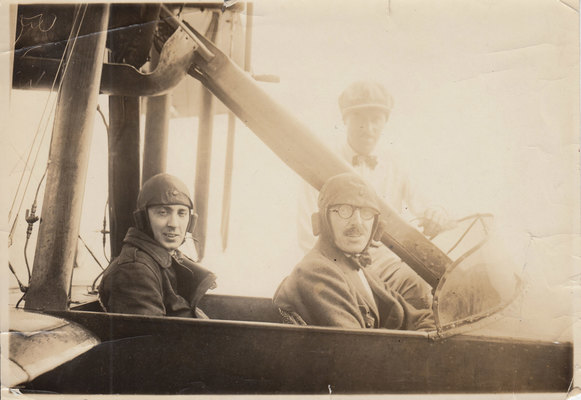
(471, 322)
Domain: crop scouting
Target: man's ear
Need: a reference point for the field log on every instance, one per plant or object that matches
(379, 231)
(192, 223)
(316, 223)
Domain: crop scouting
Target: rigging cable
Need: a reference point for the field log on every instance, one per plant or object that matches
(93, 291)
(71, 35)
(103, 118)
(91, 253)
(104, 232)
(39, 126)
(22, 287)
(31, 217)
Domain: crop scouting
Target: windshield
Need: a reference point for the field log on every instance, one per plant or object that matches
(482, 279)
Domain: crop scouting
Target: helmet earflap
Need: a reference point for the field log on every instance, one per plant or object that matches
(141, 220)
(192, 222)
(380, 228)
(316, 223)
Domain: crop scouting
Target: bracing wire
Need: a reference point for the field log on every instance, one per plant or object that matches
(20, 300)
(91, 253)
(95, 281)
(104, 231)
(103, 118)
(42, 118)
(31, 220)
(73, 35)
(20, 284)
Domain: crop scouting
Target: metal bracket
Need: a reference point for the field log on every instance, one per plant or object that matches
(176, 57)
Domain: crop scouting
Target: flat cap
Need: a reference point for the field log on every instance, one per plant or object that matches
(365, 94)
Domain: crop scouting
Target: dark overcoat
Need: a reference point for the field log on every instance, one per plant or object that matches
(145, 279)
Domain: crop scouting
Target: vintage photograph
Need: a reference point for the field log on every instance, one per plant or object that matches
(282, 197)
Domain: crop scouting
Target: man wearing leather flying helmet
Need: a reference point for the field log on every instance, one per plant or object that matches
(151, 276)
(331, 285)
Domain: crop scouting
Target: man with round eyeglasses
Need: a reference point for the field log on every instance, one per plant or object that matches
(353, 224)
(331, 285)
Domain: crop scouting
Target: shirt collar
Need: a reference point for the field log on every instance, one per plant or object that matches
(349, 153)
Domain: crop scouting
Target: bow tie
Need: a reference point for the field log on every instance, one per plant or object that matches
(370, 161)
(360, 260)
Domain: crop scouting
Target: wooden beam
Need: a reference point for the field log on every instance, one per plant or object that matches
(156, 136)
(68, 163)
(204, 156)
(130, 43)
(301, 150)
(203, 163)
(124, 168)
(227, 192)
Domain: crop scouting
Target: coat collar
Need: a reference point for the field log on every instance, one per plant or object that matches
(349, 268)
(148, 245)
(329, 250)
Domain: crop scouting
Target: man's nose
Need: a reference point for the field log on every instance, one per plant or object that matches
(172, 220)
(368, 126)
(356, 217)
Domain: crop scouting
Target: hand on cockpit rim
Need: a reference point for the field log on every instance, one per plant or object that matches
(434, 221)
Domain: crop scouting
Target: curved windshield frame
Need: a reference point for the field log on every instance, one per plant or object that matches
(481, 282)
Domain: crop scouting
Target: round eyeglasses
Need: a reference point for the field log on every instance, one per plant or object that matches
(345, 211)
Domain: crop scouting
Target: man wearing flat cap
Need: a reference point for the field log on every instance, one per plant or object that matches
(332, 285)
(365, 107)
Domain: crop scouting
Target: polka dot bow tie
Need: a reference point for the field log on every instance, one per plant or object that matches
(370, 161)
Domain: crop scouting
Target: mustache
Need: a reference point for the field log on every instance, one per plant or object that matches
(353, 230)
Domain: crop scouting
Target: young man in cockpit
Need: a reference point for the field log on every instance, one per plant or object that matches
(331, 286)
(151, 276)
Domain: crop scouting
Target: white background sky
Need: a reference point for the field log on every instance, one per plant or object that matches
(486, 113)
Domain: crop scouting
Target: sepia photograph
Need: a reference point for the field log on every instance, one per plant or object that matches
(328, 199)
